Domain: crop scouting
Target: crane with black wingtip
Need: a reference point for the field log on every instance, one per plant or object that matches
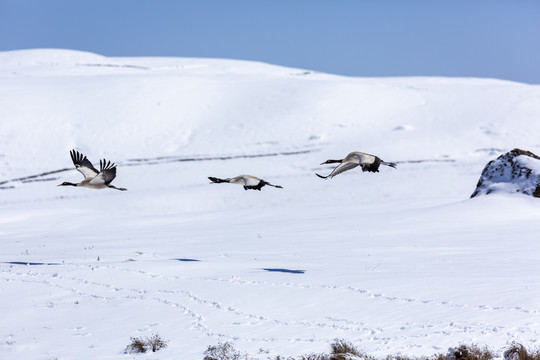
(93, 179)
(249, 182)
(367, 162)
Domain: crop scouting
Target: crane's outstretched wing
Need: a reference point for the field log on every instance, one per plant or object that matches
(107, 173)
(83, 165)
(339, 169)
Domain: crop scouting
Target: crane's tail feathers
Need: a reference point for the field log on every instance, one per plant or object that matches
(391, 164)
(216, 180)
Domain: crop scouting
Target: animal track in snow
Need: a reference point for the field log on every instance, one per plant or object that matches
(174, 292)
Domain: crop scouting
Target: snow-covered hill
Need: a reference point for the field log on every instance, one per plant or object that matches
(397, 261)
(517, 171)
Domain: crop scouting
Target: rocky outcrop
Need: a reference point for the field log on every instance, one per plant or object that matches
(517, 171)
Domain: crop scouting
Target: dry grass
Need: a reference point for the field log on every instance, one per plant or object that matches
(137, 346)
(156, 343)
(313, 357)
(224, 351)
(518, 352)
(153, 343)
(343, 350)
(469, 352)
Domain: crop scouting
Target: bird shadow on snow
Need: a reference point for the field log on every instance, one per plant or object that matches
(187, 260)
(282, 270)
(288, 271)
(29, 263)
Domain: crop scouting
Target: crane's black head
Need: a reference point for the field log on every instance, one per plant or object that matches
(65, 183)
(331, 162)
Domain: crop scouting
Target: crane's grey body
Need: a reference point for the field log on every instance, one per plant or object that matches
(93, 179)
(249, 182)
(367, 162)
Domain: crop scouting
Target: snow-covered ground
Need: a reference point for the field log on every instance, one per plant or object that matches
(400, 261)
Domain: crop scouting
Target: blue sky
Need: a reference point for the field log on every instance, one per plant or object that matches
(479, 38)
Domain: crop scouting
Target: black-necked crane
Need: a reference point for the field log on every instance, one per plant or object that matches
(248, 181)
(368, 162)
(93, 179)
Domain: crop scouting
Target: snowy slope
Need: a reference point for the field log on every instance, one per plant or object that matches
(397, 261)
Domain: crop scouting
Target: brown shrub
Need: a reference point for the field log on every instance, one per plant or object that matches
(469, 352)
(137, 346)
(343, 350)
(153, 343)
(518, 352)
(223, 351)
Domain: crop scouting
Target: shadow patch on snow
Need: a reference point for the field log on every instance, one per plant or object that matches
(403, 128)
(29, 263)
(288, 271)
(425, 161)
(187, 260)
(116, 66)
(489, 151)
(302, 73)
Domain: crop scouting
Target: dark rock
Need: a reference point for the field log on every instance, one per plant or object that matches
(517, 171)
